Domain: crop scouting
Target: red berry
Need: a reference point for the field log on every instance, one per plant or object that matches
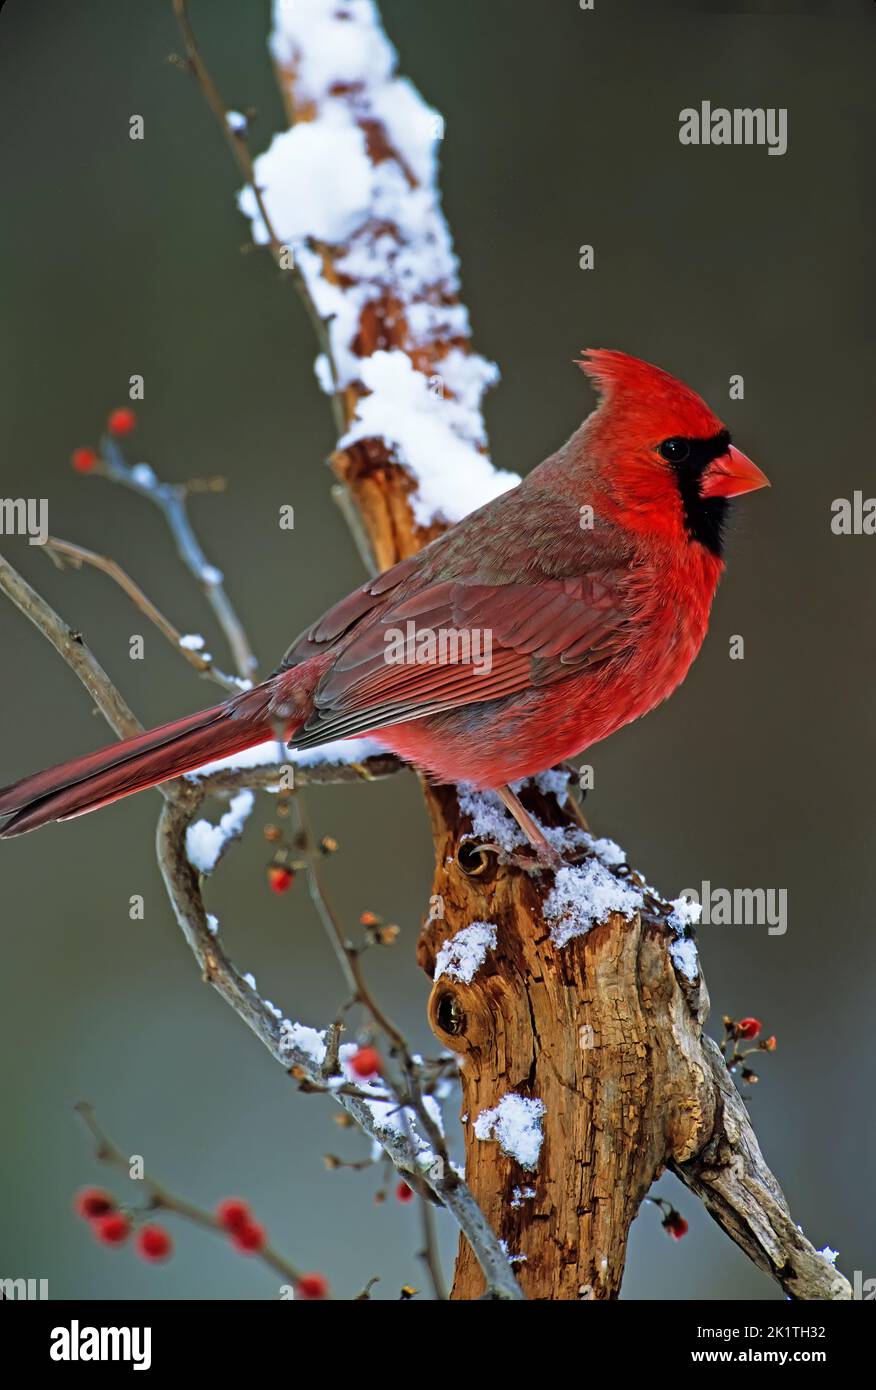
(369, 919)
(403, 1193)
(111, 1229)
(93, 1201)
(154, 1243)
(312, 1286)
(249, 1238)
(676, 1225)
(748, 1027)
(84, 460)
(280, 879)
(366, 1062)
(121, 421)
(232, 1213)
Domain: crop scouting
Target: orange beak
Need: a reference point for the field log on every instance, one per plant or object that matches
(732, 474)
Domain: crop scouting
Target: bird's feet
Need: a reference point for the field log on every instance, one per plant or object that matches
(545, 855)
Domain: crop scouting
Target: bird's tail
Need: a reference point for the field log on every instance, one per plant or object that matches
(96, 779)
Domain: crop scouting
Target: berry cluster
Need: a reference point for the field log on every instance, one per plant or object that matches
(120, 422)
(112, 1226)
(235, 1217)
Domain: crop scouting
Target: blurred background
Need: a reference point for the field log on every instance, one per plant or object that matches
(124, 257)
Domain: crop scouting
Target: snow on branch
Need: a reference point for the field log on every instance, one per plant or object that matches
(351, 189)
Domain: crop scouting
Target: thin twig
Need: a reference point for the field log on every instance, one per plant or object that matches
(350, 961)
(351, 964)
(237, 143)
(170, 498)
(77, 555)
(162, 1199)
(430, 1254)
(348, 956)
(71, 645)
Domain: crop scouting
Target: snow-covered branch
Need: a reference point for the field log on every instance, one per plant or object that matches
(352, 189)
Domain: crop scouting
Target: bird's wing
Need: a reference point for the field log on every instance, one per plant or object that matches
(510, 637)
(351, 611)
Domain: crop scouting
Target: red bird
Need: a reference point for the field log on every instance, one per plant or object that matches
(590, 585)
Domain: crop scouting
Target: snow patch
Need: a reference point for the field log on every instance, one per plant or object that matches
(609, 852)
(521, 1195)
(205, 841)
(301, 195)
(331, 43)
(685, 958)
(516, 1123)
(583, 895)
(685, 913)
(436, 439)
(346, 750)
(461, 957)
(310, 1041)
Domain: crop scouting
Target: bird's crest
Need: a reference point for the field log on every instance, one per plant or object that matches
(621, 379)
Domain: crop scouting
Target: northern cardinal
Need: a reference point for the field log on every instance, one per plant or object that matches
(591, 582)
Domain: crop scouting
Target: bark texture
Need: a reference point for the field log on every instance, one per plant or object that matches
(599, 1031)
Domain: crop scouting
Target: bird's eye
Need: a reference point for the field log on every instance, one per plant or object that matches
(675, 450)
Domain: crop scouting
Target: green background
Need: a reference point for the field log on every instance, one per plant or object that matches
(122, 257)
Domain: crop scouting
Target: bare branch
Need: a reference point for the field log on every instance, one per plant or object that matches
(71, 645)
